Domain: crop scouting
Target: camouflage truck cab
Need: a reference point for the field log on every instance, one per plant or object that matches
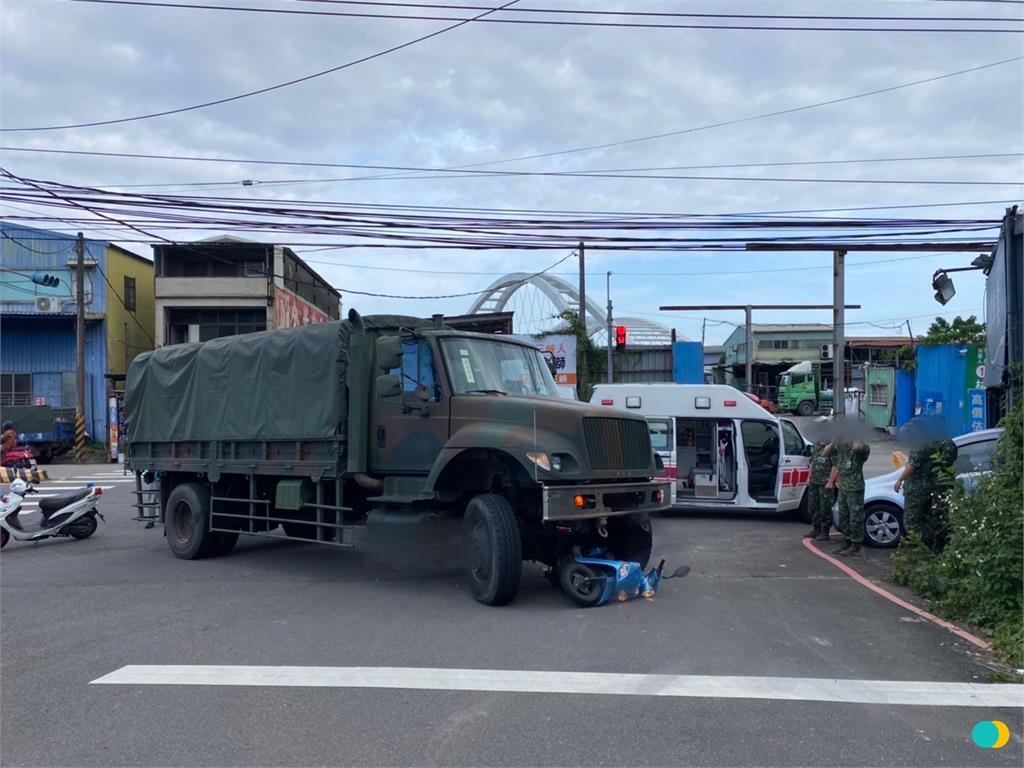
(388, 422)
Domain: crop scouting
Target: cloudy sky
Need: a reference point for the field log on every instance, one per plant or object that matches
(489, 91)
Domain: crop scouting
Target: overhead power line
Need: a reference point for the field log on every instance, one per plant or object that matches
(401, 12)
(748, 119)
(267, 89)
(624, 173)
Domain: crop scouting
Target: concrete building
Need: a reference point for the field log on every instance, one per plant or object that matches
(38, 340)
(777, 346)
(224, 286)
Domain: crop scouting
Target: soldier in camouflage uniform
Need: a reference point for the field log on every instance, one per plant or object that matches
(819, 498)
(925, 477)
(848, 475)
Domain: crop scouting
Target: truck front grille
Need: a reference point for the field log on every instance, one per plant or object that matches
(617, 443)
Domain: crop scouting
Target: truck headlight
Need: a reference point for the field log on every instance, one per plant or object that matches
(541, 460)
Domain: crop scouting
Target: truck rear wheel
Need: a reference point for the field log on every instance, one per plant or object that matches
(187, 524)
(493, 550)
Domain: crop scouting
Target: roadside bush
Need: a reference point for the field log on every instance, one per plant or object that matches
(978, 576)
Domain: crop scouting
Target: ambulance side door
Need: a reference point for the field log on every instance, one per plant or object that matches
(794, 467)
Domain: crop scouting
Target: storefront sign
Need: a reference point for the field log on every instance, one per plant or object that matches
(561, 349)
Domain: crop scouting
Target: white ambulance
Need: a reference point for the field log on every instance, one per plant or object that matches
(721, 448)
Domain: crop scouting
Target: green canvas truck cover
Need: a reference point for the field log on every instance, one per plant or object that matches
(272, 385)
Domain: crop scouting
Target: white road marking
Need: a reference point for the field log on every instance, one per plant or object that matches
(911, 692)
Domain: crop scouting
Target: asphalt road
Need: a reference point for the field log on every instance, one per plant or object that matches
(757, 603)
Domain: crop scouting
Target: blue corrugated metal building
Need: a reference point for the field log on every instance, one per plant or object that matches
(37, 324)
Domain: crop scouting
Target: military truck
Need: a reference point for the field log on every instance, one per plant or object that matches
(801, 390)
(390, 423)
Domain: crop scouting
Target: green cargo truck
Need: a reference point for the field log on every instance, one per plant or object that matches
(390, 423)
(801, 392)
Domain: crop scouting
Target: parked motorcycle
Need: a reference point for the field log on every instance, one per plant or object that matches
(68, 514)
(18, 458)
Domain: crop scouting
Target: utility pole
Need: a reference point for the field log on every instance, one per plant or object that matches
(80, 368)
(838, 333)
(581, 351)
(608, 277)
(749, 374)
(748, 309)
(703, 328)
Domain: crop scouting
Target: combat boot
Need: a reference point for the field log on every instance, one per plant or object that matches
(841, 550)
(822, 534)
(854, 551)
(813, 533)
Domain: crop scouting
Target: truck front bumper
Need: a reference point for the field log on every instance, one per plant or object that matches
(582, 502)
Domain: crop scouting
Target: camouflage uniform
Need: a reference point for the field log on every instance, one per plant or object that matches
(819, 498)
(851, 489)
(920, 488)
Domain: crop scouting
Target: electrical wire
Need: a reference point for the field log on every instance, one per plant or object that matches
(266, 89)
(605, 24)
(30, 249)
(588, 173)
(749, 118)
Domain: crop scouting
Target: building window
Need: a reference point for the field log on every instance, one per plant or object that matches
(212, 323)
(773, 344)
(15, 389)
(129, 293)
(879, 394)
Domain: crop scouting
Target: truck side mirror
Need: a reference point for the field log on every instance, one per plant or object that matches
(808, 450)
(389, 352)
(389, 385)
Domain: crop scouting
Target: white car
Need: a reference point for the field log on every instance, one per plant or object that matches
(883, 506)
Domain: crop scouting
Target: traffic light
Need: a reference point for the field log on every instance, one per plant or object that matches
(41, 278)
(620, 338)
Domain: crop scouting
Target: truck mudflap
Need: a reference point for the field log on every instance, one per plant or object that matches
(582, 502)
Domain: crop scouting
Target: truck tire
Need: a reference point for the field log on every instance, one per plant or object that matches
(493, 550)
(187, 523)
(805, 408)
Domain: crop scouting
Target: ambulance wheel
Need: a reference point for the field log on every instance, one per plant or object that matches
(806, 408)
(492, 549)
(4, 536)
(581, 583)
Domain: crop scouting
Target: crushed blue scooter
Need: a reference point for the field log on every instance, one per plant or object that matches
(596, 578)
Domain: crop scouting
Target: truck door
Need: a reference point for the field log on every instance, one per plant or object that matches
(663, 440)
(409, 431)
(794, 468)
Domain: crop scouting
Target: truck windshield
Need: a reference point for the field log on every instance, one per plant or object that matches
(480, 365)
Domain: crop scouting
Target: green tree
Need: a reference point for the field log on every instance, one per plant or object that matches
(960, 331)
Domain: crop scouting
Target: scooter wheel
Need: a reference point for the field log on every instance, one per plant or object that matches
(4, 536)
(581, 584)
(82, 528)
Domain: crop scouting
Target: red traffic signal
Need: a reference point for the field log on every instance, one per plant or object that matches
(620, 338)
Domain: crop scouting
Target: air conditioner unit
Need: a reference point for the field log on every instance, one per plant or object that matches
(47, 304)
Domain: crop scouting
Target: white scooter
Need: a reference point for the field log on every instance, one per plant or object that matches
(67, 514)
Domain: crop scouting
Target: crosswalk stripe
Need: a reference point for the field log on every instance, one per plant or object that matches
(906, 692)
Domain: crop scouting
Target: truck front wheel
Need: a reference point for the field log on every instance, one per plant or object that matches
(806, 408)
(187, 523)
(493, 550)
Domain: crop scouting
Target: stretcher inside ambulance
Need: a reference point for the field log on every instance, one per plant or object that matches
(720, 447)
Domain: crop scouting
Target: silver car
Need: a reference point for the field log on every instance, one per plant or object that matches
(883, 506)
